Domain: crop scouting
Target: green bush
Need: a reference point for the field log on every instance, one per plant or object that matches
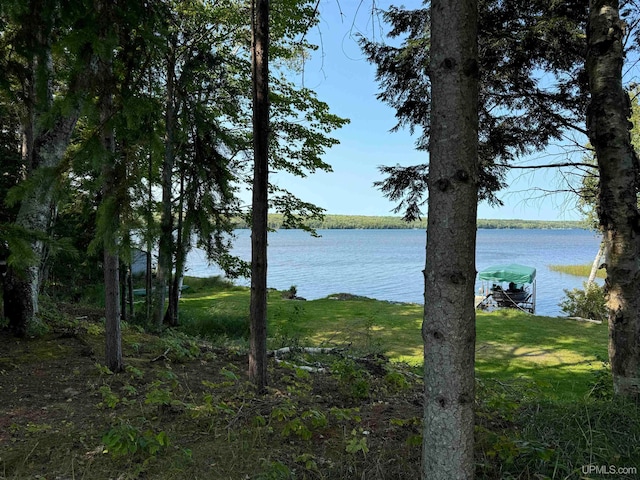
(587, 303)
(215, 326)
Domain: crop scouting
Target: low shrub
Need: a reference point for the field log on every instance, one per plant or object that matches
(587, 303)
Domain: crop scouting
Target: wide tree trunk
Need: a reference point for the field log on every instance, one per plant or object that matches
(448, 329)
(22, 283)
(47, 133)
(42, 151)
(258, 306)
(608, 126)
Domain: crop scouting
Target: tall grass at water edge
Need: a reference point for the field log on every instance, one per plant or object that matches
(577, 270)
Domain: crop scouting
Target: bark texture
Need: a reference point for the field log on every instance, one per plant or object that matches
(449, 316)
(22, 284)
(608, 126)
(47, 133)
(113, 333)
(111, 241)
(258, 308)
(42, 151)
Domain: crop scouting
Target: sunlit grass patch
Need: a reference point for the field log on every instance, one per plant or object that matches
(561, 355)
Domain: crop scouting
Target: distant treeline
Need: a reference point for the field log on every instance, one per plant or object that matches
(372, 222)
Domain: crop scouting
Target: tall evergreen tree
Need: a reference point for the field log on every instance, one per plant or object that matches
(110, 207)
(448, 329)
(519, 111)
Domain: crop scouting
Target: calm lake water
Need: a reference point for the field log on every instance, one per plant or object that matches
(388, 264)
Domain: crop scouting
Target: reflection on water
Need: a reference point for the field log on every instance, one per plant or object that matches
(388, 264)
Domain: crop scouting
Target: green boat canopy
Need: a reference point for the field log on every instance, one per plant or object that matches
(508, 273)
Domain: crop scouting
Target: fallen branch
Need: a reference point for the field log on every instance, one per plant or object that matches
(163, 356)
(312, 350)
(582, 319)
(284, 350)
(306, 368)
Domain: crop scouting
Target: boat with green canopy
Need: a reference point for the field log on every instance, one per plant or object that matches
(508, 286)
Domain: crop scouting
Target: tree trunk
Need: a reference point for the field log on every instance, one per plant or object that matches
(596, 265)
(182, 245)
(130, 291)
(22, 284)
(608, 126)
(110, 203)
(448, 329)
(122, 285)
(165, 246)
(148, 285)
(113, 334)
(43, 150)
(258, 307)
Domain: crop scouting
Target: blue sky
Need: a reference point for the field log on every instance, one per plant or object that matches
(341, 76)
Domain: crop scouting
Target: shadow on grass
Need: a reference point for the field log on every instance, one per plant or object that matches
(561, 356)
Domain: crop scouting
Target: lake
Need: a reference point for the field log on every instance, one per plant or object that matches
(388, 264)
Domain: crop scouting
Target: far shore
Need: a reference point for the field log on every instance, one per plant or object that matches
(333, 222)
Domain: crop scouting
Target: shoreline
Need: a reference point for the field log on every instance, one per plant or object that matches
(365, 222)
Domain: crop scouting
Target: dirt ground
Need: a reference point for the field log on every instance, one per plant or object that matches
(184, 407)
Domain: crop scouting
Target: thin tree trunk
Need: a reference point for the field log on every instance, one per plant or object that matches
(596, 265)
(165, 247)
(113, 334)
(258, 307)
(608, 127)
(130, 290)
(448, 329)
(183, 238)
(122, 282)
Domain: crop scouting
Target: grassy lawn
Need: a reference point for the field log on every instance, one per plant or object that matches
(185, 408)
(557, 355)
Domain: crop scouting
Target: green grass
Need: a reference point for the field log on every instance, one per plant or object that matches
(185, 405)
(560, 356)
(577, 270)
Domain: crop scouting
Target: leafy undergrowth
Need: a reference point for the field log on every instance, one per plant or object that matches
(184, 409)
